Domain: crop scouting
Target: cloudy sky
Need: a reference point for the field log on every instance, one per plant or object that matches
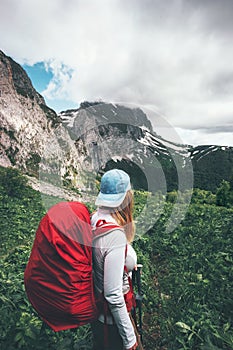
(173, 57)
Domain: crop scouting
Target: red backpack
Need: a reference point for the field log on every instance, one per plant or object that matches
(58, 277)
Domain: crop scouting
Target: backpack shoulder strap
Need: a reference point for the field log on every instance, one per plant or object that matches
(103, 227)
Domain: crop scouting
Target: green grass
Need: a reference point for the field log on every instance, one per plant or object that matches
(187, 274)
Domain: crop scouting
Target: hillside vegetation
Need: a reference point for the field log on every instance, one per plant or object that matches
(187, 274)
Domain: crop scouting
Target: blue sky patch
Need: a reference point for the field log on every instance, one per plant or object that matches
(60, 105)
(39, 76)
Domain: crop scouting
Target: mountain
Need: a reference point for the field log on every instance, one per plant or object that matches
(71, 149)
(32, 136)
(110, 135)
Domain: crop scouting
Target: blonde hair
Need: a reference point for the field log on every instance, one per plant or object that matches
(124, 215)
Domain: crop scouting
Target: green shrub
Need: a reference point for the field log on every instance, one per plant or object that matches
(12, 183)
(224, 194)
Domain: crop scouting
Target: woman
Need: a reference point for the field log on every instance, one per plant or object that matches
(113, 330)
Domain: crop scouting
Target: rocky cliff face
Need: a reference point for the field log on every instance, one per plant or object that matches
(20, 108)
(32, 136)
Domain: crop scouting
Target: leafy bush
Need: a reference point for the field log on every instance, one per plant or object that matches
(187, 275)
(224, 195)
(203, 197)
(12, 183)
(188, 303)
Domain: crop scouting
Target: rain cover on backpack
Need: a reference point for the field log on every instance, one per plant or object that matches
(58, 277)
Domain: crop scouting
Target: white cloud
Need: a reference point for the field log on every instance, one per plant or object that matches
(58, 87)
(150, 53)
(199, 137)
